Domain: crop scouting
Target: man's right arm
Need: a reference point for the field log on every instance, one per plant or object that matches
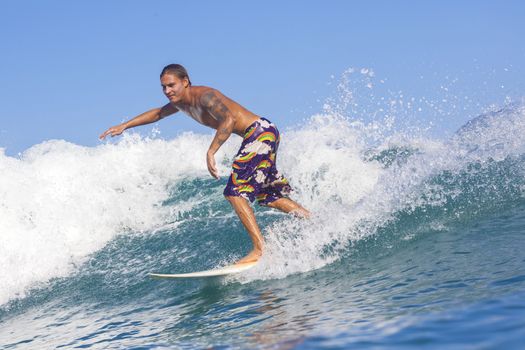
(142, 119)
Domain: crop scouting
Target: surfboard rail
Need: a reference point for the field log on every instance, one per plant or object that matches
(227, 270)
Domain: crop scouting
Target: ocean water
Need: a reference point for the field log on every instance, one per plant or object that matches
(415, 242)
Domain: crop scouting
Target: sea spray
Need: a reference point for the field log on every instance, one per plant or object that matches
(60, 202)
(360, 172)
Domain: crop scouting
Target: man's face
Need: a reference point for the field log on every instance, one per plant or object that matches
(173, 87)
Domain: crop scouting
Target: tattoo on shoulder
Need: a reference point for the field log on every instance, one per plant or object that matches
(213, 103)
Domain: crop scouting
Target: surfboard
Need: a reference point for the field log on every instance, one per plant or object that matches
(227, 270)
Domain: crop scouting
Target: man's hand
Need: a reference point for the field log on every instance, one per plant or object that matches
(150, 116)
(113, 131)
(210, 161)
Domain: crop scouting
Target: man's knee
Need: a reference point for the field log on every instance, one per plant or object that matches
(271, 205)
(276, 204)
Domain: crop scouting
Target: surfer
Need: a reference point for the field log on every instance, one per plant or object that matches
(254, 176)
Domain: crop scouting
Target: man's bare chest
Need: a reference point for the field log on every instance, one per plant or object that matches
(200, 115)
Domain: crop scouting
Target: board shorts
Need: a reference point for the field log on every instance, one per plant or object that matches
(254, 174)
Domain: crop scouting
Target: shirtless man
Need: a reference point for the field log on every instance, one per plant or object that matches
(254, 175)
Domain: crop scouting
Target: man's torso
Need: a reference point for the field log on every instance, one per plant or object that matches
(202, 114)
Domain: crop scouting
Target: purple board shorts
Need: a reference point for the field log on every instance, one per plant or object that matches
(254, 174)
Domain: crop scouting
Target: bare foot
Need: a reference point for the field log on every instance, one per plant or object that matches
(253, 256)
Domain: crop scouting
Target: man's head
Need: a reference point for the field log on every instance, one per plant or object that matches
(177, 70)
(174, 80)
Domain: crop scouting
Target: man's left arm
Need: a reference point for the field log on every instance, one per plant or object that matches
(214, 104)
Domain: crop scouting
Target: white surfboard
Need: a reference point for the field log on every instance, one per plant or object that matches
(228, 270)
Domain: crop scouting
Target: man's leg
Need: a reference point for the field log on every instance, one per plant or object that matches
(289, 206)
(247, 217)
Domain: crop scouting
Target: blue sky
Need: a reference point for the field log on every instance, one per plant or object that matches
(70, 69)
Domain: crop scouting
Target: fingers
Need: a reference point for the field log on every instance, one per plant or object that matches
(111, 131)
(106, 133)
(210, 162)
(213, 171)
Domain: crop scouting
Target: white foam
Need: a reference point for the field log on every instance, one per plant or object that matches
(351, 197)
(60, 202)
(325, 164)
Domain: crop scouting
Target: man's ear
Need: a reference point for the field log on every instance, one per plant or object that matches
(186, 82)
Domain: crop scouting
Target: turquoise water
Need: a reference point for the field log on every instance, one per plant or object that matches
(414, 243)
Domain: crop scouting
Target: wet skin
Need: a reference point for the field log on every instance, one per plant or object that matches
(211, 108)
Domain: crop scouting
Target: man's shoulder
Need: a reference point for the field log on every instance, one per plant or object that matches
(206, 93)
(202, 89)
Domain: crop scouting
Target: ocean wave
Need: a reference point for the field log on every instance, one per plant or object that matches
(61, 203)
